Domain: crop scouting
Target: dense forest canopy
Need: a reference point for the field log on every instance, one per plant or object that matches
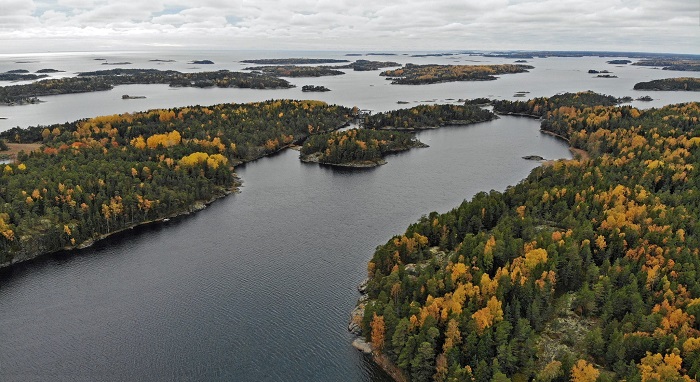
(100, 175)
(670, 84)
(412, 74)
(587, 269)
(428, 116)
(356, 146)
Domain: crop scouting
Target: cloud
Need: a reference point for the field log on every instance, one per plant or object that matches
(363, 24)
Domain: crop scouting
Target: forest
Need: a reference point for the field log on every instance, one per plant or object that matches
(297, 71)
(671, 64)
(427, 117)
(670, 84)
(294, 61)
(586, 270)
(107, 79)
(356, 147)
(412, 74)
(100, 175)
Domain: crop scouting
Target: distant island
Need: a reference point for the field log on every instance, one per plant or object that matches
(202, 62)
(10, 76)
(296, 71)
(671, 64)
(107, 79)
(366, 65)
(314, 88)
(117, 63)
(49, 71)
(126, 96)
(356, 147)
(412, 74)
(670, 84)
(424, 117)
(619, 62)
(645, 98)
(293, 61)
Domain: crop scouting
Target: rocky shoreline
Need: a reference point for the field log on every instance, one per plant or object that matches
(359, 343)
(196, 206)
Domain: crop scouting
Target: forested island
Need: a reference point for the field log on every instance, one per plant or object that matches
(97, 176)
(619, 62)
(20, 76)
(107, 79)
(294, 61)
(314, 88)
(356, 147)
(670, 84)
(412, 74)
(586, 270)
(427, 117)
(671, 64)
(297, 71)
(367, 65)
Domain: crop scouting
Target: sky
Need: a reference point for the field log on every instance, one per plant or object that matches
(352, 25)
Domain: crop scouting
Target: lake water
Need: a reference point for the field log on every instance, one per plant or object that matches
(259, 286)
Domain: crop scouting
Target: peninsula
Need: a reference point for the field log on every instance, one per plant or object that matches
(585, 268)
(98, 176)
(670, 84)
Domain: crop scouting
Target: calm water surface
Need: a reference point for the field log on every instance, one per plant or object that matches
(257, 287)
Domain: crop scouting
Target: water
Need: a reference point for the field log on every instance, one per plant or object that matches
(259, 286)
(366, 90)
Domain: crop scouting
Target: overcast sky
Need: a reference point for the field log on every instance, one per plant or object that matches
(623, 25)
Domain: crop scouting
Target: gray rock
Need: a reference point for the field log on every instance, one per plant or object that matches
(362, 346)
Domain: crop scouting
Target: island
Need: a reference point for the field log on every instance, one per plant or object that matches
(10, 76)
(94, 177)
(294, 61)
(424, 117)
(606, 76)
(544, 106)
(412, 74)
(367, 65)
(297, 71)
(202, 62)
(314, 88)
(126, 96)
(645, 98)
(50, 71)
(671, 64)
(585, 270)
(619, 62)
(106, 80)
(670, 84)
(117, 63)
(356, 147)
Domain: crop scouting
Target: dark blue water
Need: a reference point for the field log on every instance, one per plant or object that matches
(257, 287)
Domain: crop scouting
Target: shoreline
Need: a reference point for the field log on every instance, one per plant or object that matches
(194, 207)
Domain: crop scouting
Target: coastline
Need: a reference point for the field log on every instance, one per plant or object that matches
(194, 207)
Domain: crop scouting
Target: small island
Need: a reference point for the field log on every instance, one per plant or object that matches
(367, 65)
(296, 71)
(117, 63)
(670, 84)
(314, 88)
(202, 62)
(293, 61)
(424, 117)
(412, 74)
(606, 76)
(645, 98)
(126, 96)
(619, 62)
(42, 71)
(356, 147)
